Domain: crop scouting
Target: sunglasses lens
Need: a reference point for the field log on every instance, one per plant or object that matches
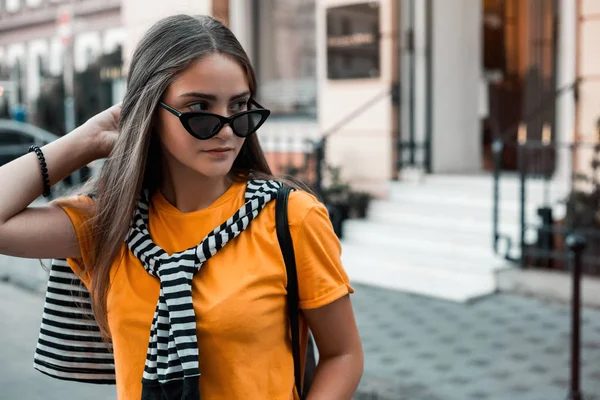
(204, 126)
(247, 123)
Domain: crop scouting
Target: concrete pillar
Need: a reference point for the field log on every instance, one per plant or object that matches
(240, 23)
(56, 56)
(36, 49)
(566, 75)
(113, 38)
(88, 47)
(16, 53)
(457, 70)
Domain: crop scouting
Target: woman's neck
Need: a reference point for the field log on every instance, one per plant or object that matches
(190, 191)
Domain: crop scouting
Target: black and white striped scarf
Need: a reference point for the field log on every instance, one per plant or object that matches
(171, 370)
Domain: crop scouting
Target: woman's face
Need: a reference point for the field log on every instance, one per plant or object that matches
(214, 84)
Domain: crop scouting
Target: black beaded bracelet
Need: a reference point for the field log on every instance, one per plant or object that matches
(45, 177)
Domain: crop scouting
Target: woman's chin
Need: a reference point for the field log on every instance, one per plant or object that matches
(214, 170)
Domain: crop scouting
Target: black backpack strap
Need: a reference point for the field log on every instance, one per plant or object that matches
(287, 249)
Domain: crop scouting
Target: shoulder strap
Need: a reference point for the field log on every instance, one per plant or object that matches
(287, 249)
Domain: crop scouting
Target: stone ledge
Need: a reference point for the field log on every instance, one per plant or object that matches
(548, 285)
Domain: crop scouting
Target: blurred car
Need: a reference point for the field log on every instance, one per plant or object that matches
(16, 137)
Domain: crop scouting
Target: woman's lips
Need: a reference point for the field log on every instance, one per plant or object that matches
(219, 153)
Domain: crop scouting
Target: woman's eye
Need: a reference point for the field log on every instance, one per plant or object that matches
(239, 106)
(199, 107)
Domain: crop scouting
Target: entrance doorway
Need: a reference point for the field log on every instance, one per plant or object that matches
(519, 63)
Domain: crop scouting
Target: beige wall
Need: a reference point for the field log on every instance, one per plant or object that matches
(139, 15)
(589, 69)
(363, 148)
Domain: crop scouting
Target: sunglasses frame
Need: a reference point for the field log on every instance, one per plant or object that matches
(185, 117)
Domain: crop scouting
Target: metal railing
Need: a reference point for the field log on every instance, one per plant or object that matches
(293, 157)
(558, 193)
(305, 159)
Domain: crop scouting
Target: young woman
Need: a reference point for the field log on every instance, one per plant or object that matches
(194, 299)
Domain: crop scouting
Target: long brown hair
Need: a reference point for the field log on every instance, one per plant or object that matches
(164, 52)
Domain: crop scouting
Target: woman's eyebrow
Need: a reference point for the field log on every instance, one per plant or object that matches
(241, 95)
(198, 95)
(212, 97)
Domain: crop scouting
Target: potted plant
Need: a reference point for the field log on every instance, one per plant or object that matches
(336, 197)
(359, 203)
(583, 212)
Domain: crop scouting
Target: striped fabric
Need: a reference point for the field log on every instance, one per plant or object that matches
(70, 346)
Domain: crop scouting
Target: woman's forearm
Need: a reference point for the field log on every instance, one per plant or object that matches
(21, 179)
(336, 378)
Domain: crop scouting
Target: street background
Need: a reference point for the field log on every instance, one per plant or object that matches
(502, 347)
(454, 142)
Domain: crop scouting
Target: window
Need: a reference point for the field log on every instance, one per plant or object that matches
(285, 56)
(13, 5)
(33, 3)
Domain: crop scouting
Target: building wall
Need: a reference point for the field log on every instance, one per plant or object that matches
(29, 34)
(589, 70)
(365, 147)
(138, 17)
(362, 148)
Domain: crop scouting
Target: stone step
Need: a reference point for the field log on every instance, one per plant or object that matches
(451, 215)
(435, 236)
(393, 231)
(508, 182)
(431, 273)
(472, 198)
(406, 245)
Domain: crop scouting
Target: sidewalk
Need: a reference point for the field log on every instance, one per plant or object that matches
(21, 313)
(503, 347)
(499, 348)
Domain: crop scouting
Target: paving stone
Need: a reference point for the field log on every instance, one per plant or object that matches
(499, 348)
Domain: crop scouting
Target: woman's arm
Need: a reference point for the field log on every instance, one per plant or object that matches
(47, 232)
(340, 351)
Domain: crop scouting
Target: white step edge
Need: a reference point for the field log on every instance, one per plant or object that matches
(446, 285)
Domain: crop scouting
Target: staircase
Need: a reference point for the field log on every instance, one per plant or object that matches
(435, 237)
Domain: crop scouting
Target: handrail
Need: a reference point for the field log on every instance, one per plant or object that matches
(321, 141)
(355, 113)
(498, 150)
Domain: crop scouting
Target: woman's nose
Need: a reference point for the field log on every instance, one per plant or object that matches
(226, 132)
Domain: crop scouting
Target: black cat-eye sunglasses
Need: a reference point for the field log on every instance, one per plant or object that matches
(204, 125)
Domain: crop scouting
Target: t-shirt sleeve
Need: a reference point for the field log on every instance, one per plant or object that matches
(79, 210)
(321, 276)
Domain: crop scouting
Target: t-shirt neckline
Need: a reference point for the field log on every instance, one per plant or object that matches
(161, 203)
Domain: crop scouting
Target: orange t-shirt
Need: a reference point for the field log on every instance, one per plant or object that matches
(239, 295)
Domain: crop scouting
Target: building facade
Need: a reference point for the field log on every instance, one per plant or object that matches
(31, 40)
(466, 72)
(393, 84)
